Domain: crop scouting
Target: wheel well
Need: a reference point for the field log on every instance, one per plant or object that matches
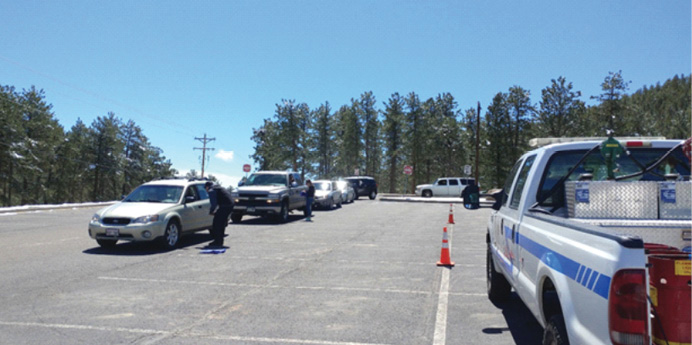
(550, 300)
(177, 221)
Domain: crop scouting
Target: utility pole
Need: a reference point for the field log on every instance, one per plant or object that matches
(204, 148)
(478, 135)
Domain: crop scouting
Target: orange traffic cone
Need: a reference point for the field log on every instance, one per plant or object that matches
(451, 214)
(445, 260)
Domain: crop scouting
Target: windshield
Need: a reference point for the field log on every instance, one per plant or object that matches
(266, 180)
(562, 162)
(155, 193)
(322, 185)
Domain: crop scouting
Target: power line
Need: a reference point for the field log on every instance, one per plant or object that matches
(204, 149)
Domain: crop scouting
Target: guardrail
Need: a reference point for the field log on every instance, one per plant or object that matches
(33, 208)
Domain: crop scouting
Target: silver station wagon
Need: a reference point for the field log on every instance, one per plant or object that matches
(160, 211)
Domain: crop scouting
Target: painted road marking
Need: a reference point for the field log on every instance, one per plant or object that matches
(187, 335)
(440, 335)
(168, 281)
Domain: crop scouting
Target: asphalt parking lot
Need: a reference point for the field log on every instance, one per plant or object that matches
(364, 274)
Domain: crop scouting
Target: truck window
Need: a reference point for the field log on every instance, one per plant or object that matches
(562, 162)
(442, 182)
(453, 182)
(521, 181)
(508, 182)
(296, 177)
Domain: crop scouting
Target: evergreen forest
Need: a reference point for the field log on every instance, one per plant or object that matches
(43, 163)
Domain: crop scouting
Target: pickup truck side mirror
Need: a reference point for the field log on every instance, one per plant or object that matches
(498, 200)
(471, 197)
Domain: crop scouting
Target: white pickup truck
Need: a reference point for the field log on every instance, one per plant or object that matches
(574, 233)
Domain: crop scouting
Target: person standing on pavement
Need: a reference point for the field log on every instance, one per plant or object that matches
(221, 207)
(309, 199)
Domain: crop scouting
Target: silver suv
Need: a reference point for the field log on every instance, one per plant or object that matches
(269, 193)
(160, 210)
(445, 186)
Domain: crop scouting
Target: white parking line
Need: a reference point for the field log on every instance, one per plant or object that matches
(440, 336)
(187, 335)
(167, 281)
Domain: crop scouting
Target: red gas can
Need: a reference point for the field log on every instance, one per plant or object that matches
(671, 293)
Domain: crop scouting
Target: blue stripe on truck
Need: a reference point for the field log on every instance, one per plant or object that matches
(591, 279)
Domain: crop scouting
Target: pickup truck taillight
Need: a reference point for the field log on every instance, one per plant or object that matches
(627, 308)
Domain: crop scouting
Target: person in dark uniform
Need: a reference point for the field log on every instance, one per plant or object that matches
(309, 199)
(221, 207)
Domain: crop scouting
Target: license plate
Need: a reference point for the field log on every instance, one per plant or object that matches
(112, 232)
(251, 209)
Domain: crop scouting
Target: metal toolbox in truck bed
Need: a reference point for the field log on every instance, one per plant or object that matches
(612, 200)
(675, 200)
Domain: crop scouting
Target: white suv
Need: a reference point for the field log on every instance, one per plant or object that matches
(159, 210)
(445, 186)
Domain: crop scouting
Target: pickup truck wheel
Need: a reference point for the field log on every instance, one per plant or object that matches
(283, 216)
(236, 217)
(499, 289)
(171, 236)
(555, 332)
(427, 193)
(373, 195)
(107, 243)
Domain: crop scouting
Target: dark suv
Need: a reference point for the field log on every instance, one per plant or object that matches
(364, 186)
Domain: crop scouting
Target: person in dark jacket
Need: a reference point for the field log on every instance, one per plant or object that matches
(309, 199)
(221, 207)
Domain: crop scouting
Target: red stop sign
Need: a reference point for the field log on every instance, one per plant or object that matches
(246, 168)
(408, 170)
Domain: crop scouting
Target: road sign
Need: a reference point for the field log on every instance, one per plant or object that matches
(467, 170)
(246, 168)
(408, 170)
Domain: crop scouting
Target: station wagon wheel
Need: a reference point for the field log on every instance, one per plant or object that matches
(107, 243)
(171, 236)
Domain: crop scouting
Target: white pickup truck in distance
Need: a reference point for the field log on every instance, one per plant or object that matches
(576, 230)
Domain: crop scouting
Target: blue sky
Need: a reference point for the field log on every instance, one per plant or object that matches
(184, 69)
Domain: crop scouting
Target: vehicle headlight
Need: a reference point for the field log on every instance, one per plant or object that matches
(272, 198)
(146, 219)
(95, 218)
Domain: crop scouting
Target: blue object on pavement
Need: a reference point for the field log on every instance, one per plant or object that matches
(212, 251)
